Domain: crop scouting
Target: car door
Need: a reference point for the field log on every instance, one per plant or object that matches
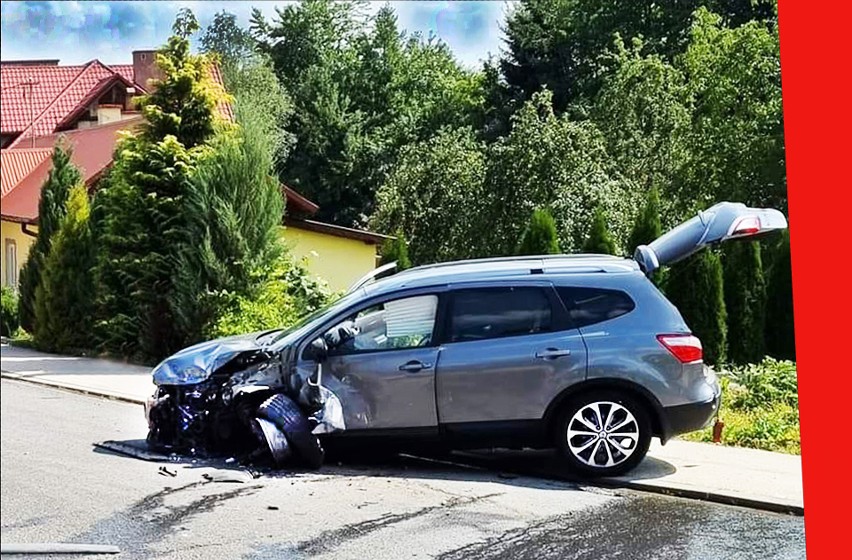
(507, 351)
(384, 376)
(721, 222)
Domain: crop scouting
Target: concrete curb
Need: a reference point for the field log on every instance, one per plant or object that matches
(610, 483)
(726, 499)
(775, 507)
(72, 388)
(616, 483)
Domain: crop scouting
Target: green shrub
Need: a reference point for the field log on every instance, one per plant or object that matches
(600, 241)
(288, 294)
(8, 311)
(760, 407)
(540, 237)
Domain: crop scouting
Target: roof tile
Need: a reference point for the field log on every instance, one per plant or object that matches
(17, 164)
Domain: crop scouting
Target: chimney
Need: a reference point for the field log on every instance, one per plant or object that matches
(145, 68)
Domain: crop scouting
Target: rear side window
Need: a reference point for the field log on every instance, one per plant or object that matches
(587, 306)
(481, 314)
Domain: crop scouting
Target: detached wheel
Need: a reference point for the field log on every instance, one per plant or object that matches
(604, 433)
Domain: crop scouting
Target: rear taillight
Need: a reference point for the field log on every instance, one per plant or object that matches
(746, 226)
(685, 347)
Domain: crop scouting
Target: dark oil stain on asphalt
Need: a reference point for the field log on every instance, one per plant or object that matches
(649, 527)
(150, 520)
(330, 539)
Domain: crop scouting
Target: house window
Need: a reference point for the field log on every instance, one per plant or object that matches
(11, 263)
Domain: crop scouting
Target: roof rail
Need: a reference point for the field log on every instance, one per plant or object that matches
(521, 258)
(372, 276)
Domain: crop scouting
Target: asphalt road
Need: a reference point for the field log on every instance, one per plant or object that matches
(56, 487)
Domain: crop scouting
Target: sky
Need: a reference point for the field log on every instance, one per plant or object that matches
(76, 32)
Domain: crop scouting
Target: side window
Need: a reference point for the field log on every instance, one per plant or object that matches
(587, 306)
(480, 314)
(392, 325)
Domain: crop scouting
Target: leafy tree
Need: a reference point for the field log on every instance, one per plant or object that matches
(780, 328)
(644, 111)
(51, 209)
(600, 241)
(696, 287)
(250, 77)
(435, 182)
(745, 302)
(361, 93)
(396, 250)
(540, 236)
(737, 134)
(562, 45)
(65, 296)
(555, 162)
(226, 38)
(139, 218)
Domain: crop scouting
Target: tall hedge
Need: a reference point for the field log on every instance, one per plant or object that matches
(745, 302)
(51, 209)
(539, 237)
(780, 331)
(600, 240)
(65, 296)
(696, 287)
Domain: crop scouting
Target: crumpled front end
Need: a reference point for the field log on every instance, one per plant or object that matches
(233, 398)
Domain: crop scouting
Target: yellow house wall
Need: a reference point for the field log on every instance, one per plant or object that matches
(23, 242)
(337, 260)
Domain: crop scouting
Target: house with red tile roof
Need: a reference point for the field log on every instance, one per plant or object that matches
(88, 106)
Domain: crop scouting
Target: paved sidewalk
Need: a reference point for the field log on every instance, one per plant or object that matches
(732, 475)
(107, 378)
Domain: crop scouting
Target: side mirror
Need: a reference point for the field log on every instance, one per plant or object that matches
(319, 349)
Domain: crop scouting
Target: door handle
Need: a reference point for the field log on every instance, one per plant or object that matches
(414, 366)
(552, 353)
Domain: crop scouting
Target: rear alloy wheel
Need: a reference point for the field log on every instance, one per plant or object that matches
(603, 433)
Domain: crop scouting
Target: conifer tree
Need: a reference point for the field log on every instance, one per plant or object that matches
(51, 209)
(539, 237)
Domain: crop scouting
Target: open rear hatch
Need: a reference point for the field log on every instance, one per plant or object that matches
(721, 222)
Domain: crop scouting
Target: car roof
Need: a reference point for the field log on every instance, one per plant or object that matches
(502, 268)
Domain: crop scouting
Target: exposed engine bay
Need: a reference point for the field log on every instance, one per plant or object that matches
(234, 397)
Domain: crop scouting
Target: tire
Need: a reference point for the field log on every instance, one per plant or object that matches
(286, 414)
(594, 452)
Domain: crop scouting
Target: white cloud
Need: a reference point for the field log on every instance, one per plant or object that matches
(80, 31)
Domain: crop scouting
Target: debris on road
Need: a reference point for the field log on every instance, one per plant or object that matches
(228, 476)
(166, 472)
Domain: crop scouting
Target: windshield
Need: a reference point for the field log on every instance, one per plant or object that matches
(305, 322)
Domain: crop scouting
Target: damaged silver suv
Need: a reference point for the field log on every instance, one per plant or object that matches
(577, 352)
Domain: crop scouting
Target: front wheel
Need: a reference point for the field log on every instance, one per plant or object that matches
(604, 433)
